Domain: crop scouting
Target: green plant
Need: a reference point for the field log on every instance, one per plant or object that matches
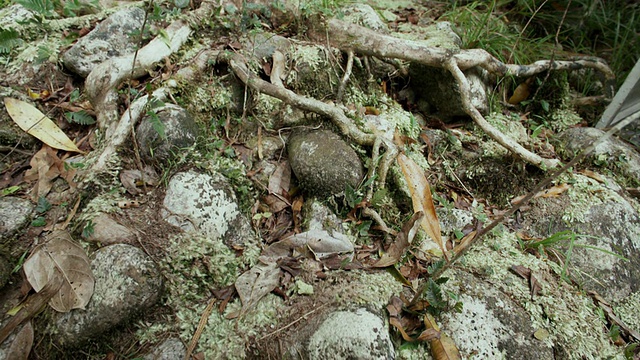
(79, 117)
(555, 242)
(434, 295)
(9, 40)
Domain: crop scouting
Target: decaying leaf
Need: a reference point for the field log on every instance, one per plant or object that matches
(527, 274)
(39, 125)
(422, 200)
(521, 93)
(61, 256)
(319, 242)
(254, 284)
(402, 242)
(553, 191)
(46, 166)
(21, 345)
(280, 180)
(442, 348)
(132, 180)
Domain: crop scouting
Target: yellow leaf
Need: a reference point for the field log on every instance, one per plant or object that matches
(442, 348)
(421, 199)
(38, 124)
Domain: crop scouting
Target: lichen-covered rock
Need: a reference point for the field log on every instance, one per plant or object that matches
(14, 214)
(323, 163)
(491, 325)
(351, 334)
(127, 282)
(613, 154)
(111, 38)
(206, 204)
(107, 231)
(179, 131)
(170, 349)
(605, 225)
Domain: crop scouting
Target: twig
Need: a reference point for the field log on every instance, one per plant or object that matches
(345, 78)
(201, 324)
(541, 185)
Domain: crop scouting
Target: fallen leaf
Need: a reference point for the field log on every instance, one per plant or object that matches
(133, 179)
(39, 125)
(21, 345)
(46, 166)
(280, 180)
(254, 284)
(594, 175)
(61, 256)
(442, 348)
(520, 94)
(403, 239)
(422, 200)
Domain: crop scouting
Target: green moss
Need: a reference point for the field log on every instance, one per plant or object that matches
(569, 315)
(627, 311)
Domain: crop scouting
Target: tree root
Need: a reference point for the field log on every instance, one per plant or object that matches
(354, 38)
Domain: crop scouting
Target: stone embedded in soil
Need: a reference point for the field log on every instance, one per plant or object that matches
(111, 38)
(14, 214)
(180, 132)
(127, 282)
(107, 231)
(170, 349)
(207, 204)
(323, 163)
(357, 334)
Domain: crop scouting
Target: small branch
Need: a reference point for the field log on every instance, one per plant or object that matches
(345, 78)
(334, 113)
(507, 142)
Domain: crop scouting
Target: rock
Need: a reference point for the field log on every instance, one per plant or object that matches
(323, 163)
(613, 154)
(5, 271)
(127, 282)
(318, 216)
(170, 349)
(603, 220)
(180, 131)
(107, 231)
(491, 325)
(206, 204)
(351, 334)
(14, 215)
(111, 38)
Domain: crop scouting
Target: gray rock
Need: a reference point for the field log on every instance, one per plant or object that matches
(170, 349)
(323, 163)
(111, 38)
(613, 154)
(107, 231)
(602, 220)
(491, 325)
(5, 271)
(180, 131)
(127, 282)
(14, 215)
(206, 204)
(357, 334)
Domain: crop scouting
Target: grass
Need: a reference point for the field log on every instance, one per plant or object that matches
(563, 239)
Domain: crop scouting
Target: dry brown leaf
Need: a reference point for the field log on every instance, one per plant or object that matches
(550, 192)
(402, 242)
(421, 199)
(21, 345)
(254, 284)
(38, 124)
(61, 256)
(594, 175)
(46, 167)
(520, 94)
(443, 348)
(398, 325)
(280, 180)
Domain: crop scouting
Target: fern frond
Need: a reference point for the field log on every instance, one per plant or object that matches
(9, 39)
(80, 117)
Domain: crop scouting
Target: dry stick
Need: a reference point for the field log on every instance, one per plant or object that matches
(541, 185)
(32, 306)
(201, 324)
